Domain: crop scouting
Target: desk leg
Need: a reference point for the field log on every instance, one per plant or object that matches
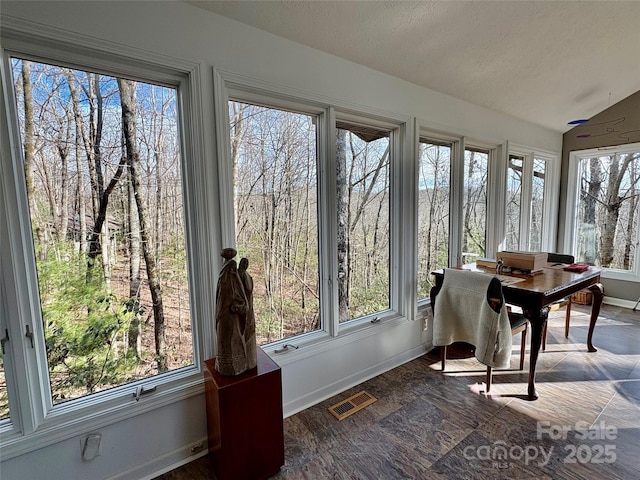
(538, 320)
(598, 293)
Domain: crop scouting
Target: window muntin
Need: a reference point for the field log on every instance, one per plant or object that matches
(606, 228)
(434, 189)
(107, 219)
(513, 202)
(474, 204)
(536, 219)
(363, 188)
(275, 182)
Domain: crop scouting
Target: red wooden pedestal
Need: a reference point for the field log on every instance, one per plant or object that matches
(244, 421)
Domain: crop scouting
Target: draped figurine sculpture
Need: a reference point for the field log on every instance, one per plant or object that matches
(235, 321)
(249, 333)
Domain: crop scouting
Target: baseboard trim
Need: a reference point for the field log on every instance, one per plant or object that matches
(328, 391)
(619, 302)
(165, 463)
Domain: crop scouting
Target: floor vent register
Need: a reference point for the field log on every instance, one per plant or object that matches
(352, 405)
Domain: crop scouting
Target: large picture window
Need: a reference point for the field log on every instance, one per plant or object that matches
(363, 187)
(605, 232)
(103, 179)
(527, 202)
(537, 214)
(474, 222)
(514, 202)
(434, 190)
(279, 219)
(276, 210)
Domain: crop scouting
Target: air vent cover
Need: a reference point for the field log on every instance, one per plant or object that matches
(352, 404)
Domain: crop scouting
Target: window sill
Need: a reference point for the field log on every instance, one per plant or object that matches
(626, 276)
(320, 343)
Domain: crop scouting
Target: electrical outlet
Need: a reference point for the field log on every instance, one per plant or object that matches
(90, 445)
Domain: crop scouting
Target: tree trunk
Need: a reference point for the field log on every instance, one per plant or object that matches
(95, 132)
(342, 207)
(80, 198)
(614, 201)
(29, 145)
(98, 200)
(96, 187)
(134, 271)
(611, 213)
(590, 198)
(629, 230)
(62, 219)
(128, 101)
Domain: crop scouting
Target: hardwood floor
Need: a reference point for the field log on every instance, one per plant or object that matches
(428, 424)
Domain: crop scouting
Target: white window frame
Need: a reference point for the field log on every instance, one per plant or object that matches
(496, 181)
(525, 193)
(35, 421)
(572, 204)
(551, 197)
(496, 192)
(496, 178)
(230, 85)
(455, 193)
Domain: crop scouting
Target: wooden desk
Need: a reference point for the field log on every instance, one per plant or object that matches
(534, 294)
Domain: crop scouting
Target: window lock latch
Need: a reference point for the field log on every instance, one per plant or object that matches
(285, 348)
(142, 390)
(29, 334)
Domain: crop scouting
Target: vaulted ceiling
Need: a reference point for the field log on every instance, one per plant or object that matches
(547, 62)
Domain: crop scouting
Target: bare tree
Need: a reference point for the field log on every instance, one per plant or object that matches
(29, 147)
(342, 211)
(613, 202)
(630, 228)
(134, 270)
(129, 106)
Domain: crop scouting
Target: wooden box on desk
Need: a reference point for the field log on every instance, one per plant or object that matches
(244, 421)
(525, 260)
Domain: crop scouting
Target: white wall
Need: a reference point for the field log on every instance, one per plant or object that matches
(154, 441)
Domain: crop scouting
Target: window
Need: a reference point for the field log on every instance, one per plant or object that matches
(528, 201)
(276, 210)
(605, 198)
(434, 182)
(474, 204)
(537, 219)
(514, 202)
(363, 215)
(103, 179)
(96, 261)
(313, 196)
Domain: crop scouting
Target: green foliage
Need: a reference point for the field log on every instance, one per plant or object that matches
(267, 322)
(364, 301)
(83, 324)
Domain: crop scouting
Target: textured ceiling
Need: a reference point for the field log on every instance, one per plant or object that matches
(547, 62)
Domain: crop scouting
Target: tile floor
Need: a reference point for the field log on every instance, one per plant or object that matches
(428, 424)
